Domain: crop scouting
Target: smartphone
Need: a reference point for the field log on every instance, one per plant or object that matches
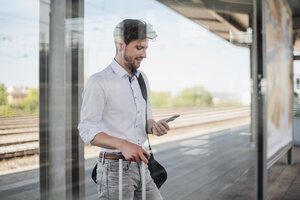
(172, 118)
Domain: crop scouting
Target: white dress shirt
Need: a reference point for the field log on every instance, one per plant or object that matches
(114, 105)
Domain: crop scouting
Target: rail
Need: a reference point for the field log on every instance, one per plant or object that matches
(19, 136)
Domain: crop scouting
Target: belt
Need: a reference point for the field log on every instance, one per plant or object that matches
(110, 156)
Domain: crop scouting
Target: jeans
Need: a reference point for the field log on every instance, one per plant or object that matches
(108, 181)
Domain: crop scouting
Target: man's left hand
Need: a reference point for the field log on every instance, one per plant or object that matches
(160, 128)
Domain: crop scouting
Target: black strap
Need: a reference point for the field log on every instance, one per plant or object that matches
(144, 93)
(143, 87)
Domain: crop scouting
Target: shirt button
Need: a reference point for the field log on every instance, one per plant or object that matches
(136, 126)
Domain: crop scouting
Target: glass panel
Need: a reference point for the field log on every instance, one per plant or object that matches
(198, 67)
(296, 102)
(19, 59)
(194, 72)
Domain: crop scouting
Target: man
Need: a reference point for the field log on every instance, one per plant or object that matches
(113, 115)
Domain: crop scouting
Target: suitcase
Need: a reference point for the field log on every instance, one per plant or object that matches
(121, 157)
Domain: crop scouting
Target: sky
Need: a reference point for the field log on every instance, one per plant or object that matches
(183, 55)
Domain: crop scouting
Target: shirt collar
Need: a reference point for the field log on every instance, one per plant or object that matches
(120, 71)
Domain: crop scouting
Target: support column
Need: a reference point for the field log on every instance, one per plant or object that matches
(258, 102)
(61, 81)
(252, 110)
(252, 107)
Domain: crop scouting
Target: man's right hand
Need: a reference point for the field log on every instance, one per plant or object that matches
(133, 152)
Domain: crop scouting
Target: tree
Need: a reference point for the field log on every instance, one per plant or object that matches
(160, 99)
(196, 96)
(30, 103)
(3, 95)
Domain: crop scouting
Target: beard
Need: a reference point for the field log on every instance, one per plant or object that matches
(130, 61)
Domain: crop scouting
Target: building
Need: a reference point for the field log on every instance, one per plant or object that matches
(16, 95)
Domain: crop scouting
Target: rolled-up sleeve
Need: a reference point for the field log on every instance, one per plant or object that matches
(92, 107)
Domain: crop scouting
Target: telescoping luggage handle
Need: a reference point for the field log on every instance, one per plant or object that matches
(121, 157)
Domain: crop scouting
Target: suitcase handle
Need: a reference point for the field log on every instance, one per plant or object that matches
(120, 156)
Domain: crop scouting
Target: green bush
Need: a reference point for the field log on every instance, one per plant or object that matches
(30, 104)
(160, 99)
(196, 96)
(3, 95)
(6, 111)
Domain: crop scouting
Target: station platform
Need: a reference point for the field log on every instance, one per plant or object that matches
(216, 166)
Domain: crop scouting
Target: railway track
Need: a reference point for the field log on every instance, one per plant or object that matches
(19, 135)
